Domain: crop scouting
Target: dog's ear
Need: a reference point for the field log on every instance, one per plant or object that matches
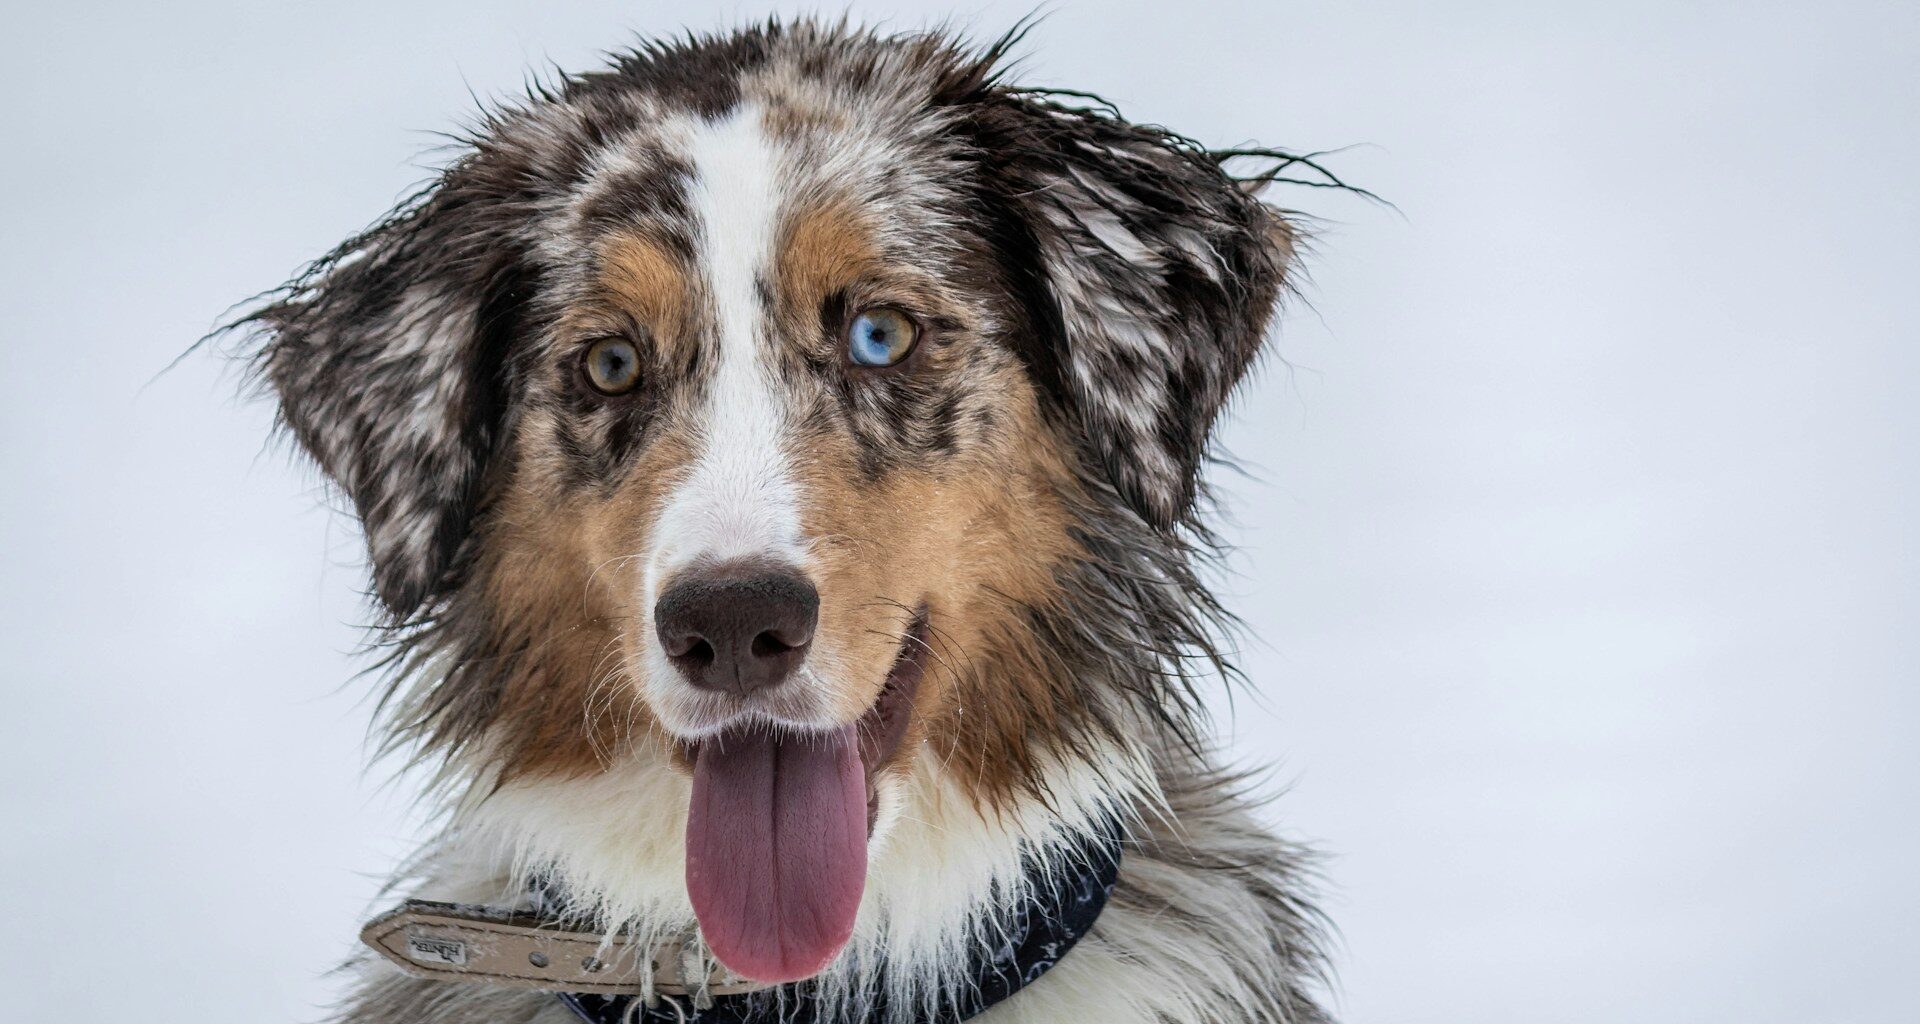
(388, 357)
(1150, 273)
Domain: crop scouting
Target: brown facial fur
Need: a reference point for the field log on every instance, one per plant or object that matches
(558, 575)
(974, 544)
(972, 539)
(641, 279)
(556, 569)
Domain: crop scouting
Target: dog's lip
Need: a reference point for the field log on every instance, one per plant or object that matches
(884, 725)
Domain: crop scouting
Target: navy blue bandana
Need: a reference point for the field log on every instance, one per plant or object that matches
(1061, 907)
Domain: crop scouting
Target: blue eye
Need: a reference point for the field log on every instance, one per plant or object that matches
(881, 336)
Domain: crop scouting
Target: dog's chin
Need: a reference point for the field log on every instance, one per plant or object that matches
(779, 823)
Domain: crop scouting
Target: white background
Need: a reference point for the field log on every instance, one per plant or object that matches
(1580, 554)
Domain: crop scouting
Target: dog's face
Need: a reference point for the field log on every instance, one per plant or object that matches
(770, 434)
(778, 407)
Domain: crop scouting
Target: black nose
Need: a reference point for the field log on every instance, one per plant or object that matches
(737, 627)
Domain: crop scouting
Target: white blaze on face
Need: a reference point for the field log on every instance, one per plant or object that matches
(738, 499)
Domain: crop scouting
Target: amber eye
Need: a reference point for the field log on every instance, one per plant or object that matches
(613, 366)
(881, 336)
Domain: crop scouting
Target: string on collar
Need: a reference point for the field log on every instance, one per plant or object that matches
(1063, 898)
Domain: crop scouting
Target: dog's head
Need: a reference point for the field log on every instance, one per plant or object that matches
(779, 409)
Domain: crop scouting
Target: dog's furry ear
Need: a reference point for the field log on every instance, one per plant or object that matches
(388, 358)
(1155, 278)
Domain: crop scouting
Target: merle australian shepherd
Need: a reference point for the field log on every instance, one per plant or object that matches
(778, 455)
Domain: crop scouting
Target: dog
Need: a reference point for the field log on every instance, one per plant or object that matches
(779, 455)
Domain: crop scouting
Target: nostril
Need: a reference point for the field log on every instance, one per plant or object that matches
(698, 654)
(767, 645)
(679, 646)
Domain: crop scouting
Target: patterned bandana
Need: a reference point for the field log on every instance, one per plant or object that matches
(1061, 906)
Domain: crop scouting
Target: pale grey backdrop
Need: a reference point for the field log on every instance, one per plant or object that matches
(1580, 550)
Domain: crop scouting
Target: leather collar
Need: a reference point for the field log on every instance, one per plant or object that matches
(599, 977)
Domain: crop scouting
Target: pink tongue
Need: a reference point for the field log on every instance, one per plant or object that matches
(777, 850)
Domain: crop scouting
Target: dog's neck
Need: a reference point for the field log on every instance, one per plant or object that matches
(943, 872)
